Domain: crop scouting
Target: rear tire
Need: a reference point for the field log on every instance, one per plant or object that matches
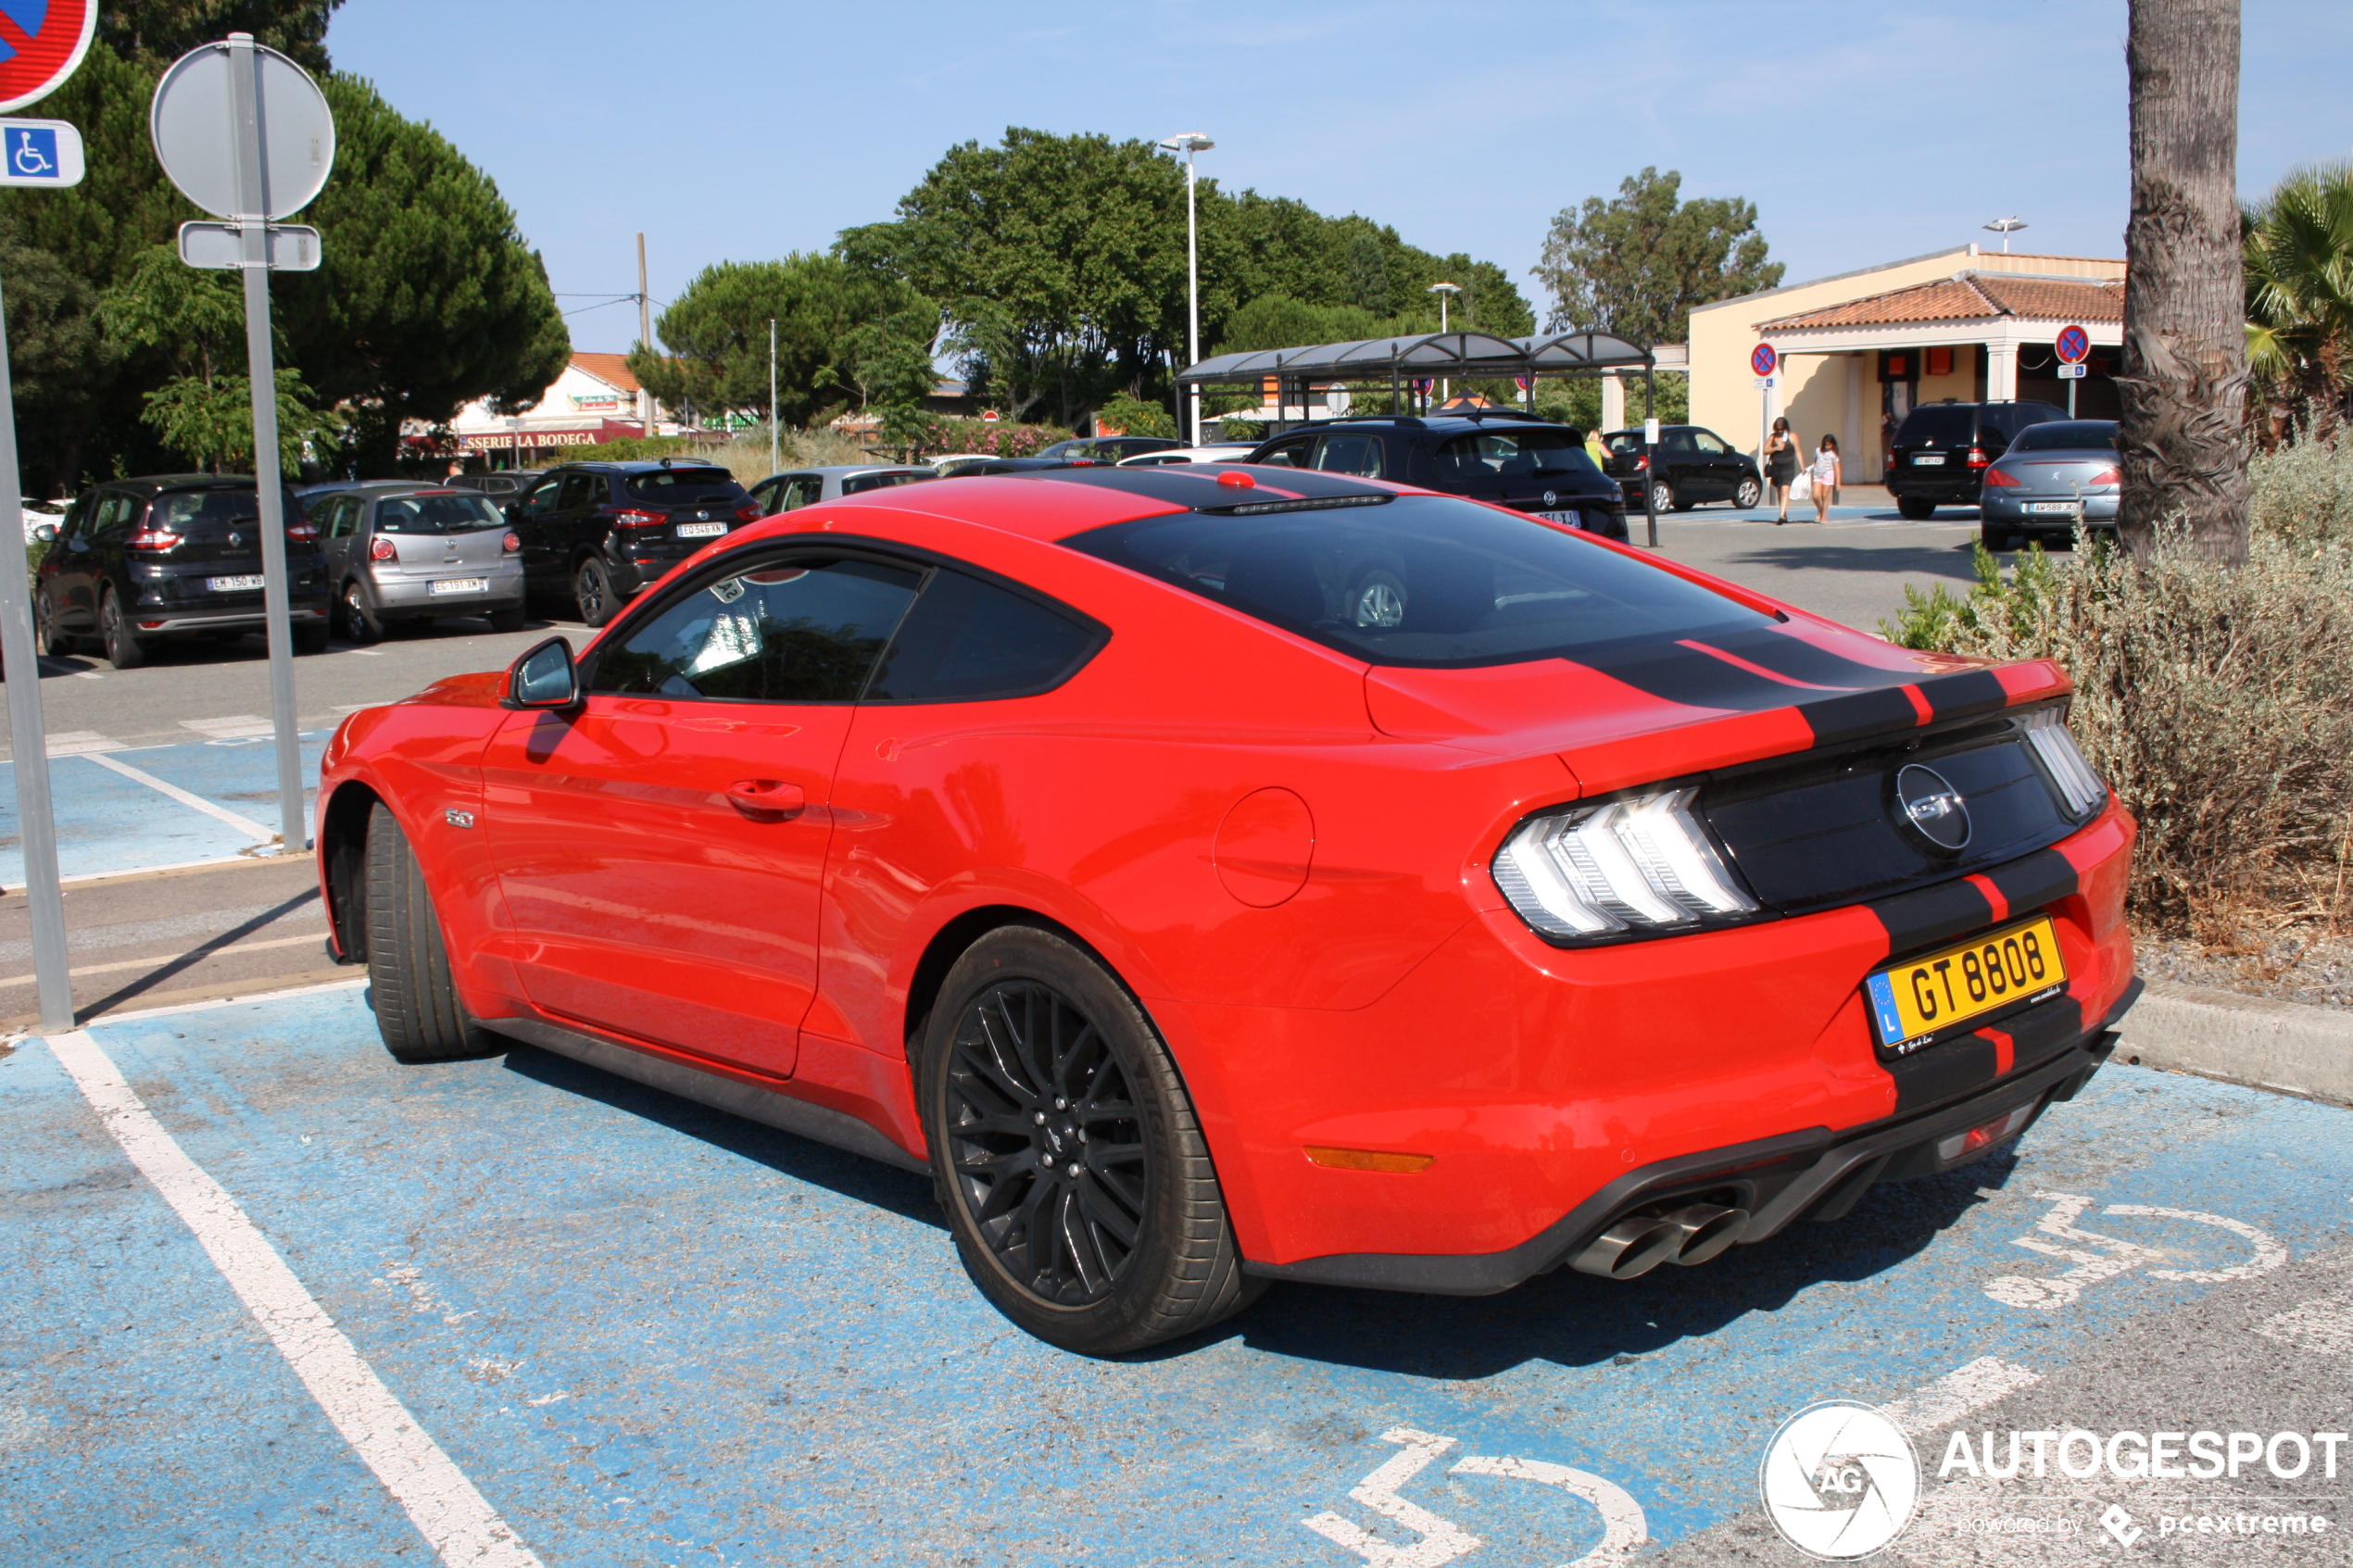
(310, 637)
(509, 617)
(1134, 1249)
(360, 626)
(417, 1008)
(1663, 498)
(592, 591)
(123, 648)
(47, 640)
(1912, 509)
(1747, 493)
(1996, 539)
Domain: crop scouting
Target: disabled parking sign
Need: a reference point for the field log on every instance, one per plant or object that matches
(40, 152)
(41, 44)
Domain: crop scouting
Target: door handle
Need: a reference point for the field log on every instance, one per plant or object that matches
(767, 801)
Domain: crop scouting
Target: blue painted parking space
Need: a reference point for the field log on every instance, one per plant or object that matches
(651, 1333)
(114, 818)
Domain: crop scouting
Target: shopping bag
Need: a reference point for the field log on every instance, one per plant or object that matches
(1802, 487)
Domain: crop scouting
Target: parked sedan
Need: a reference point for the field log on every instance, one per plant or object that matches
(176, 555)
(806, 487)
(2054, 476)
(1691, 465)
(417, 553)
(1078, 839)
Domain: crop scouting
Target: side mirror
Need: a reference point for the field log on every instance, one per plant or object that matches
(46, 534)
(544, 677)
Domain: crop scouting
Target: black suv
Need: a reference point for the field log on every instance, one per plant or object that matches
(175, 555)
(603, 532)
(1940, 452)
(1691, 465)
(1512, 460)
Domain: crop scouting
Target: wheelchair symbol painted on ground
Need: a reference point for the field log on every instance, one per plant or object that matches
(1441, 1541)
(2098, 1257)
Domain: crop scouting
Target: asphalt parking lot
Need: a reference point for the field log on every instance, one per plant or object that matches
(621, 1329)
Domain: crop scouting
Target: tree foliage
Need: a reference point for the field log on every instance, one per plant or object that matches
(211, 422)
(844, 333)
(2298, 245)
(165, 29)
(1637, 264)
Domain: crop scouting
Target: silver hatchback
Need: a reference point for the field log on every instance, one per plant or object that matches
(417, 553)
(2054, 476)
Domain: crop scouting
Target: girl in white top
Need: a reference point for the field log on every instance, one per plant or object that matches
(1825, 474)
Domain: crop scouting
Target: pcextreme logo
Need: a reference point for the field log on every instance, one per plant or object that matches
(1839, 1480)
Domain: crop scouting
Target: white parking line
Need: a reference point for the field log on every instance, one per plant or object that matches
(315, 939)
(1955, 1394)
(80, 743)
(459, 1523)
(222, 813)
(231, 727)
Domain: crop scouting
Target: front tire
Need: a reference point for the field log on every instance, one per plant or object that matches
(124, 650)
(1072, 1164)
(47, 640)
(418, 1012)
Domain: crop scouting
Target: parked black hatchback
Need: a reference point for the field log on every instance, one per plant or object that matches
(175, 555)
(1941, 450)
(600, 533)
(1691, 465)
(1510, 460)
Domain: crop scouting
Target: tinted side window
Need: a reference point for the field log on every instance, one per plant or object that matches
(580, 490)
(804, 630)
(801, 492)
(1290, 455)
(542, 499)
(1707, 442)
(966, 640)
(342, 517)
(1355, 453)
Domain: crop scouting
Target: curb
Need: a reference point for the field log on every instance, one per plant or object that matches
(2289, 1046)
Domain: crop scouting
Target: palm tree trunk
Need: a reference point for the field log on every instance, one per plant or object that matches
(2183, 379)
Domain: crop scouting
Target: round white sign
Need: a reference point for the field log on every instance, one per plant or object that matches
(1839, 1480)
(201, 108)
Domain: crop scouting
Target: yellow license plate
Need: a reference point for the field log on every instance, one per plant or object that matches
(1911, 1002)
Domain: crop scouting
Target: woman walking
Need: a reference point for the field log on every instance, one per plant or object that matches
(1826, 474)
(1780, 463)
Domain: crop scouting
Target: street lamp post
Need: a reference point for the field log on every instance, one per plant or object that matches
(1446, 293)
(2006, 227)
(772, 396)
(1191, 142)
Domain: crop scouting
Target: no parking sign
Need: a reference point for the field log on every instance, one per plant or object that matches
(1762, 359)
(40, 42)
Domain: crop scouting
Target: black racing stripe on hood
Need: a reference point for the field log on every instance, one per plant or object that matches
(2034, 882)
(1929, 915)
(1946, 1071)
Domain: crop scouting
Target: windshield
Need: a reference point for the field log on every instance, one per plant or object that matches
(2067, 435)
(685, 487)
(1517, 453)
(1424, 581)
(1952, 424)
(450, 513)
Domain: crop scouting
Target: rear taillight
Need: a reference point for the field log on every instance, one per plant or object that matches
(511, 543)
(632, 517)
(1996, 478)
(1642, 463)
(305, 532)
(1642, 862)
(2107, 477)
(152, 539)
(748, 512)
(2077, 786)
(1977, 456)
(382, 548)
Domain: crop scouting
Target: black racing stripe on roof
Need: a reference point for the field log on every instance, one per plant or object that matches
(1196, 487)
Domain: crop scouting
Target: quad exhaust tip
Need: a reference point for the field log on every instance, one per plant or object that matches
(1638, 1243)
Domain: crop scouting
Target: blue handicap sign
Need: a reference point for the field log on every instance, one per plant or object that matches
(32, 152)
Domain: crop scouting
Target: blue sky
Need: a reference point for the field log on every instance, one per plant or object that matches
(736, 130)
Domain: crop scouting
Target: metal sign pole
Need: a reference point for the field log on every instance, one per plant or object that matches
(27, 736)
(262, 378)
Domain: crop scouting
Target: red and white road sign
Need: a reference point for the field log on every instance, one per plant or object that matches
(2074, 346)
(1762, 359)
(41, 44)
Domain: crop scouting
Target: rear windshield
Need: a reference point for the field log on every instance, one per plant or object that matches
(859, 484)
(183, 510)
(685, 487)
(1952, 424)
(1424, 581)
(1518, 454)
(451, 513)
(2067, 435)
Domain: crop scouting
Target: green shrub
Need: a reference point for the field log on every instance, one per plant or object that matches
(1133, 416)
(2218, 702)
(996, 437)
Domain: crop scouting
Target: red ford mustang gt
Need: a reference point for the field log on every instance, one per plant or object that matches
(1220, 875)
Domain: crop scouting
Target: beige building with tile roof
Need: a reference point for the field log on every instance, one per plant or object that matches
(1860, 350)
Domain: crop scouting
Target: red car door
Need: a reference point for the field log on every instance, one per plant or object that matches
(660, 848)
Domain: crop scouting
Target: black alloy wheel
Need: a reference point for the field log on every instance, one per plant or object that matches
(359, 624)
(1069, 1159)
(592, 591)
(1747, 493)
(123, 648)
(47, 640)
